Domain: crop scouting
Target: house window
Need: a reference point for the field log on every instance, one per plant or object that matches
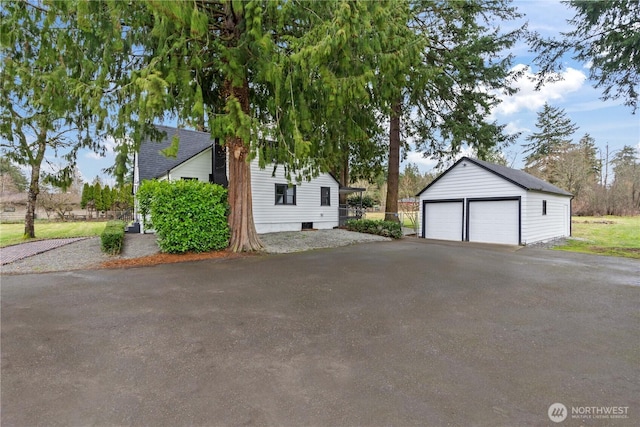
(544, 207)
(285, 194)
(325, 196)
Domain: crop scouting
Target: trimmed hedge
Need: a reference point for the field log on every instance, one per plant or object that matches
(188, 215)
(379, 227)
(112, 238)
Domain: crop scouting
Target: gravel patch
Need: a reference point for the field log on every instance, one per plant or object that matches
(550, 244)
(13, 253)
(86, 253)
(297, 241)
(82, 254)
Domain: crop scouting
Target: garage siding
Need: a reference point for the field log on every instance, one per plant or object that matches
(470, 181)
(537, 227)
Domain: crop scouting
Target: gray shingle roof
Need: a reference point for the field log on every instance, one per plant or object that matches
(515, 176)
(153, 164)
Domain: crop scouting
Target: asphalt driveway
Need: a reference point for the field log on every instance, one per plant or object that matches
(399, 333)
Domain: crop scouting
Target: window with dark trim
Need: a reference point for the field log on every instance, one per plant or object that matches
(285, 194)
(544, 207)
(325, 196)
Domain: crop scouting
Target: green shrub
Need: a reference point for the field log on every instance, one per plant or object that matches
(367, 201)
(379, 227)
(187, 215)
(112, 237)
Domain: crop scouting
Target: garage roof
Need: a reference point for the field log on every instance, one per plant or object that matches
(515, 176)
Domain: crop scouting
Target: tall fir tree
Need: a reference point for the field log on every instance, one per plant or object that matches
(543, 151)
(442, 96)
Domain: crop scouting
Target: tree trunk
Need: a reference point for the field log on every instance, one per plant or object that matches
(393, 171)
(34, 186)
(344, 179)
(244, 237)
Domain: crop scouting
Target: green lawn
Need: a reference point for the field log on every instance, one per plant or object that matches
(10, 234)
(405, 217)
(607, 235)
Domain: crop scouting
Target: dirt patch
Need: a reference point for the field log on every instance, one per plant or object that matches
(163, 258)
(597, 221)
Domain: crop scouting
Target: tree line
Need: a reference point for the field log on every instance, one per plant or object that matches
(96, 198)
(602, 183)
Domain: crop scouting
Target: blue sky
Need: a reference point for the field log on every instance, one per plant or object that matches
(607, 122)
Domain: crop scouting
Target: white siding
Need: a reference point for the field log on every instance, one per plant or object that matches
(537, 227)
(199, 166)
(470, 181)
(269, 217)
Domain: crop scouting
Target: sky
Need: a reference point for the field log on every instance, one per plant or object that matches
(608, 122)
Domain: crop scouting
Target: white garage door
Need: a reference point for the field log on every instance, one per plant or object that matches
(494, 222)
(443, 220)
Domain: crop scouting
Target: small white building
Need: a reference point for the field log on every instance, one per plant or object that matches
(277, 206)
(478, 201)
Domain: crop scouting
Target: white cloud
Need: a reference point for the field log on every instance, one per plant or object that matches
(109, 144)
(425, 164)
(528, 98)
(515, 127)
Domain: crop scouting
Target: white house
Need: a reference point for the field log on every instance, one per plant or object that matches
(277, 206)
(478, 201)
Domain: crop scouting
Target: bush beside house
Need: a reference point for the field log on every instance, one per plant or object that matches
(187, 215)
(112, 238)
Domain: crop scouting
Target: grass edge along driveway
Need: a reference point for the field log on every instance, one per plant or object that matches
(12, 234)
(607, 235)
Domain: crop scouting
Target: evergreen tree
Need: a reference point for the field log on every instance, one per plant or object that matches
(554, 135)
(87, 195)
(107, 198)
(12, 177)
(626, 185)
(97, 197)
(442, 96)
(605, 34)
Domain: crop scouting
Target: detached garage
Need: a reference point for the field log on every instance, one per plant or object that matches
(478, 201)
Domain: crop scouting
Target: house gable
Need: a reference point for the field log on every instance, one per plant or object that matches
(467, 179)
(197, 167)
(153, 164)
(516, 177)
